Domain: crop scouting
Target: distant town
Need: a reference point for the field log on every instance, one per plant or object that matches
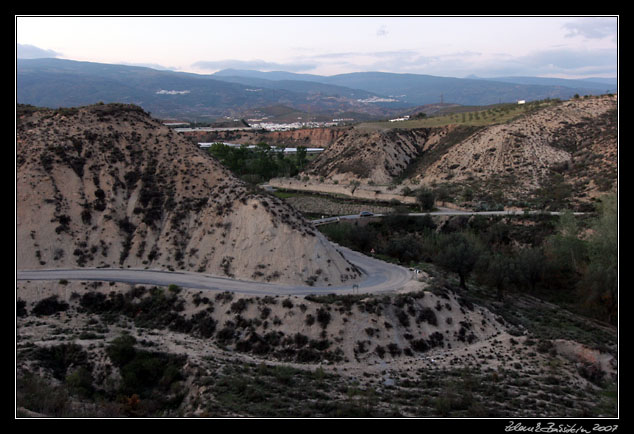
(268, 126)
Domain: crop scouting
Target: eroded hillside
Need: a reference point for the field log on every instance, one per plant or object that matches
(571, 145)
(108, 186)
(309, 137)
(576, 139)
(377, 156)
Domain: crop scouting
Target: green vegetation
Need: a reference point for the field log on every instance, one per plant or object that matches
(150, 379)
(153, 308)
(261, 390)
(150, 384)
(261, 163)
(541, 255)
(470, 116)
(279, 391)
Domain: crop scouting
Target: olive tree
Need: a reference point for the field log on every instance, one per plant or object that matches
(459, 252)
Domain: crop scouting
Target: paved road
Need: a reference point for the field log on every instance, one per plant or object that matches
(378, 276)
(440, 212)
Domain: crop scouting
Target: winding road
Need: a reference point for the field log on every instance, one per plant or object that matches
(377, 276)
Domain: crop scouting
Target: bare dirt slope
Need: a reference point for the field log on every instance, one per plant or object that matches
(572, 135)
(576, 139)
(108, 186)
(377, 156)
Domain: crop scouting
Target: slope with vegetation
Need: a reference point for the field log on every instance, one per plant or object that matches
(549, 155)
(108, 186)
(132, 351)
(510, 316)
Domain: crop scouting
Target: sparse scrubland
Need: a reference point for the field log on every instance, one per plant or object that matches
(509, 316)
(549, 155)
(432, 350)
(109, 186)
(118, 351)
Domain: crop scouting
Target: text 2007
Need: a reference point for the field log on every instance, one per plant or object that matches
(606, 428)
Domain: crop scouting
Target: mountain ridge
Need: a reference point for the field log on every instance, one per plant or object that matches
(389, 84)
(170, 94)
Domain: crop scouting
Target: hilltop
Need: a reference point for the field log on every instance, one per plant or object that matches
(109, 186)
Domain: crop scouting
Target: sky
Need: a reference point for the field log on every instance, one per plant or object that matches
(448, 46)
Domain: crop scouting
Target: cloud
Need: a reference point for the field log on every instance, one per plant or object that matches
(561, 62)
(571, 61)
(261, 65)
(26, 51)
(406, 61)
(592, 28)
(150, 65)
(382, 31)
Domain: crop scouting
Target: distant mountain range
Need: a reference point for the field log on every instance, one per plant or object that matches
(418, 89)
(242, 93)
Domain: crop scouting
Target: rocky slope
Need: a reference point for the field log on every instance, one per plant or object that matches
(309, 137)
(377, 156)
(575, 139)
(108, 186)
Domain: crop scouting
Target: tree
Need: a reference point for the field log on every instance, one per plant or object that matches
(459, 252)
(300, 157)
(403, 249)
(530, 266)
(425, 199)
(599, 285)
(500, 271)
(567, 250)
(121, 350)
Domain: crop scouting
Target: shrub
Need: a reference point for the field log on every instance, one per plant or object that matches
(403, 317)
(49, 306)
(20, 308)
(240, 305)
(121, 350)
(419, 345)
(37, 394)
(394, 349)
(59, 358)
(80, 381)
(310, 319)
(323, 317)
(143, 371)
(428, 315)
(380, 351)
(203, 324)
